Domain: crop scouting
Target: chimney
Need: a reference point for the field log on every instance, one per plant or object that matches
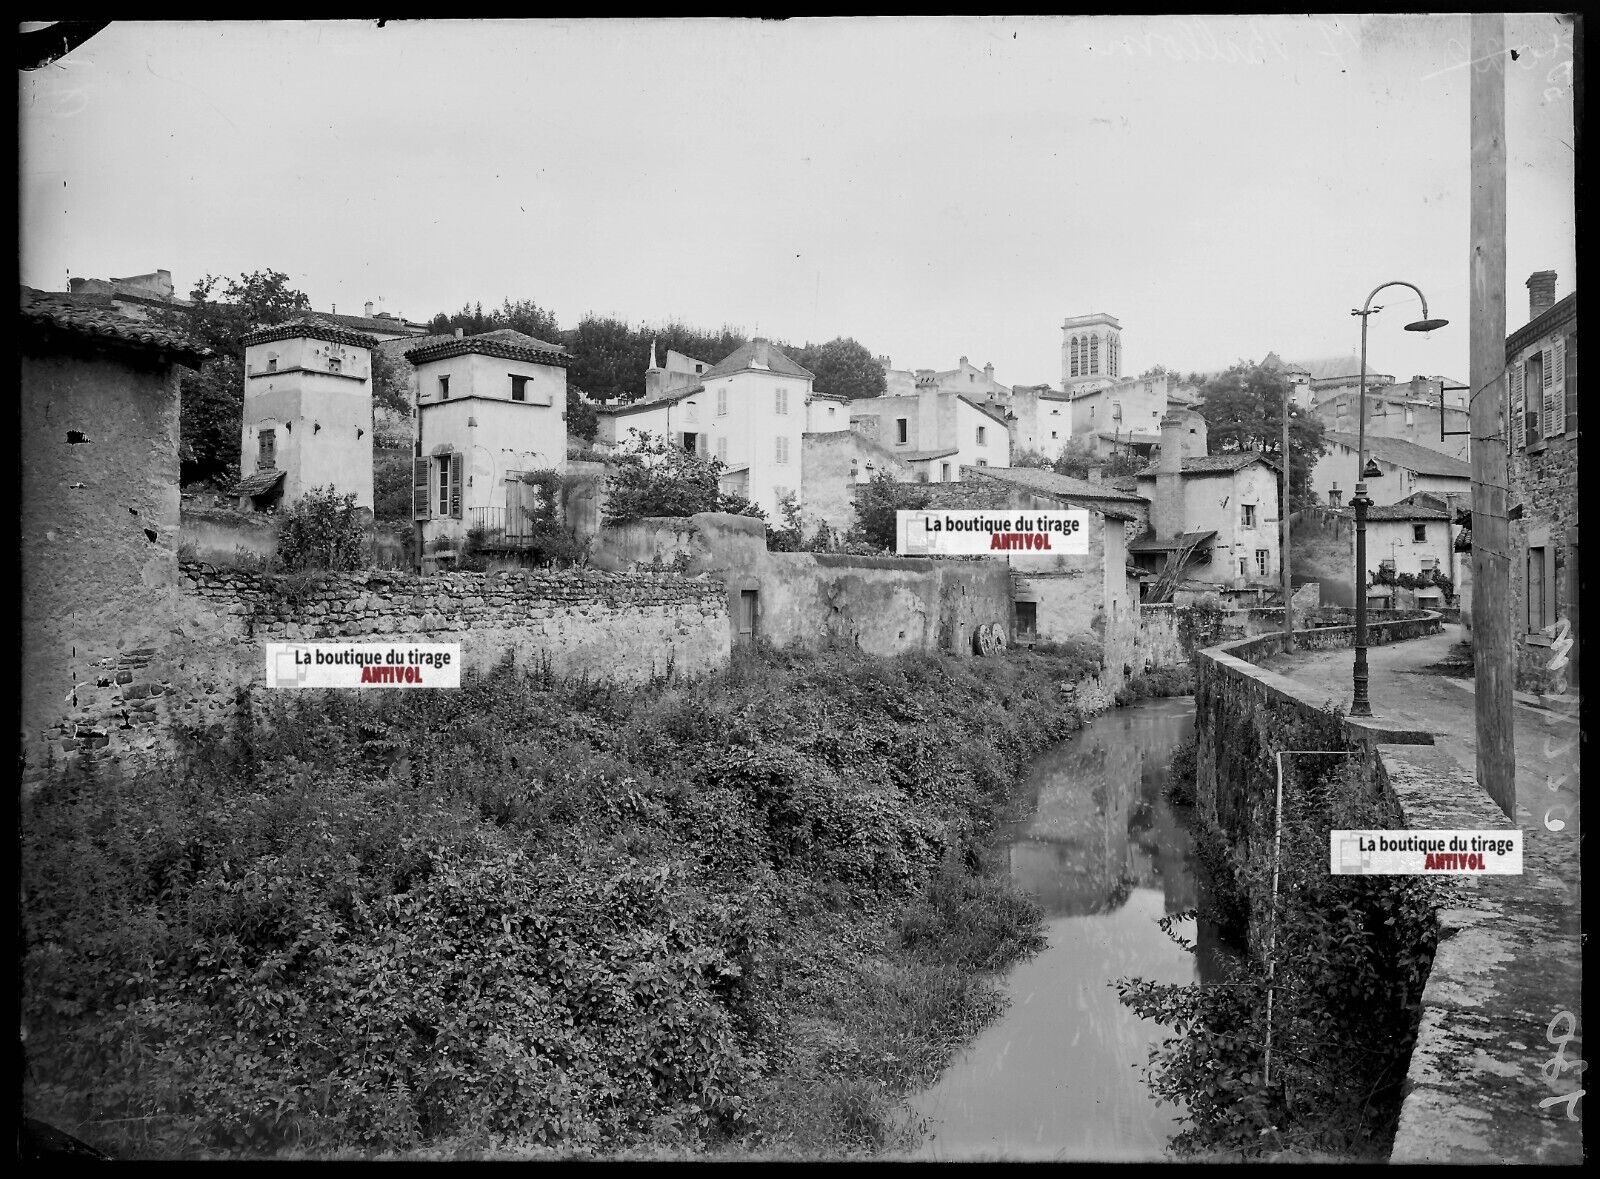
(368, 306)
(1541, 292)
(988, 372)
(1166, 508)
(927, 435)
(963, 362)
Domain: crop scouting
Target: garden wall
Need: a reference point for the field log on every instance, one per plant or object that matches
(882, 605)
(629, 626)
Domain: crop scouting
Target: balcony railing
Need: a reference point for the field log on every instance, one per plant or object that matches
(502, 527)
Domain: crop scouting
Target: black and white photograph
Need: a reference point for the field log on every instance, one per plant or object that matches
(911, 589)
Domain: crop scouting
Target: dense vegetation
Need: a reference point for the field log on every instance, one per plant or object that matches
(738, 915)
(1351, 955)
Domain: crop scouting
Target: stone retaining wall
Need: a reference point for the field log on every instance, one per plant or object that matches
(628, 626)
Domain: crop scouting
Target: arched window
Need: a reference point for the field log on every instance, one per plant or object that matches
(1094, 353)
(1113, 356)
(1073, 349)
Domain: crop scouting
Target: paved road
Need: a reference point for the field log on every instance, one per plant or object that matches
(1483, 1061)
(1443, 705)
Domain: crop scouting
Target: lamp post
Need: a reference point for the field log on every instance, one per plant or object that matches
(1359, 704)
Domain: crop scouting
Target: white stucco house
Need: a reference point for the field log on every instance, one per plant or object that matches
(307, 414)
(490, 408)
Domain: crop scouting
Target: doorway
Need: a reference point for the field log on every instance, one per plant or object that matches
(749, 612)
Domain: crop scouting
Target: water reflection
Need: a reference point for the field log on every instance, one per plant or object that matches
(1058, 1075)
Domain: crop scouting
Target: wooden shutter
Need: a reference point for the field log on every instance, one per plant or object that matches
(421, 489)
(1519, 432)
(1555, 396)
(455, 485)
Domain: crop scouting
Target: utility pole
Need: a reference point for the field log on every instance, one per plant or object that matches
(1283, 530)
(1491, 559)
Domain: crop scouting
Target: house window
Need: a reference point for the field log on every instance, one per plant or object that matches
(519, 388)
(444, 388)
(781, 401)
(981, 436)
(1052, 433)
(1261, 561)
(983, 462)
(335, 364)
(901, 433)
(1247, 517)
(1244, 566)
(722, 401)
(1027, 620)
(1533, 397)
(442, 487)
(944, 472)
(830, 411)
(782, 449)
(1419, 533)
(272, 363)
(1538, 613)
(1411, 416)
(1116, 411)
(267, 450)
(722, 449)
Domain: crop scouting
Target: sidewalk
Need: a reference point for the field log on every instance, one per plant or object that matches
(1510, 962)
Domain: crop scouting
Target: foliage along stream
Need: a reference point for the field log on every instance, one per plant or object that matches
(1058, 1075)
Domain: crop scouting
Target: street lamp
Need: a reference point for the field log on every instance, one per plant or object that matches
(1359, 704)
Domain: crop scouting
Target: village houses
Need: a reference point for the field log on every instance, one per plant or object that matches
(1405, 468)
(937, 431)
(1213, 517)
(1414, 536)
(1542, 497)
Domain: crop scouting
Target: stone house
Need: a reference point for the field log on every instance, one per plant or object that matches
(1222, 508)
(832, 464)
(491, 408)
(1057, 597)
(1406, 467)
(307, 418)
(1410, 411)
(1415, 536)
(936, 430)
(99, 544)
(677, 374)
(1542, 497)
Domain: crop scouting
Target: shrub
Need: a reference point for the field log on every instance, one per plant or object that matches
(659, 479)
(321, 530)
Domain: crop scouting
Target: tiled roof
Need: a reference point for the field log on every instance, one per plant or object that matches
(1214, 464)
(641, 404)
(310, 328)
(917, 456)
(362, 323)
(1131, 439)
(1551, 318)
(505, 344)
(258, 484)
(1398, 512)
(95, 316)
(1050, 483)
(1405, 454)
(998, 414)
(1149, 544)
(768, 355)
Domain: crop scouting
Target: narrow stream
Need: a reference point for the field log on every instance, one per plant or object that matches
(1058, 1076)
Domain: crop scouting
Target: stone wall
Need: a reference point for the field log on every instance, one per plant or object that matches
(882, 605)
(1159, 643)
(1245, 714)
(99, 521)
(626, 626)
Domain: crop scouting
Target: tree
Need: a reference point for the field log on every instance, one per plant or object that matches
(876, 505)
(657, 478)
(604, 359)
(1076, 460)
(391, 384)
(213, 396)
(1243, 408)
(582, 419)
(1124, 462)
(523, 316)
(1028, 457)
(842, 367)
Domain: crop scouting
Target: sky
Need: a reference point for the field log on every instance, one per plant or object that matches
(934, 187)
